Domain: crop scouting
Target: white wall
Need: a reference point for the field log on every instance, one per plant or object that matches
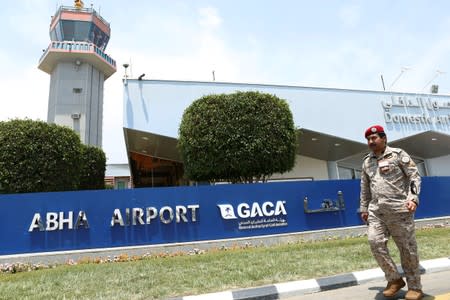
(63, 102)
(439, 166)
(306, 167)
(337, 112)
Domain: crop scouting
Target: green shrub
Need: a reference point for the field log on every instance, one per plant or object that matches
(93, 168)
(38, 157)
(239, 137)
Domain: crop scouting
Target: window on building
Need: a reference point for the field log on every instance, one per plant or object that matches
(348, 173)
(121, 185)
(421, 166)
(75, 30)
(353, 173)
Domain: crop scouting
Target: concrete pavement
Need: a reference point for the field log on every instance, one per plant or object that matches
(304, 287)
(435, 287)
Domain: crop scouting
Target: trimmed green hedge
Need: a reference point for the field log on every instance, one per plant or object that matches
(39, 157)
(93, 168)
(239, 137)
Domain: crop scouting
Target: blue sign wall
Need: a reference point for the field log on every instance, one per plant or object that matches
(112, 218)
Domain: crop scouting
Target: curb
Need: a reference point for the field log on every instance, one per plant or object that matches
(303, 287)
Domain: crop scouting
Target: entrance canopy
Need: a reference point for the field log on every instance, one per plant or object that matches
(429, 144)
(155, 160)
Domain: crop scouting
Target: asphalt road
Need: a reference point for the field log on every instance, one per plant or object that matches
(436, 286)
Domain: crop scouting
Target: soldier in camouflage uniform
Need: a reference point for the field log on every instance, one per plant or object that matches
(390, 187)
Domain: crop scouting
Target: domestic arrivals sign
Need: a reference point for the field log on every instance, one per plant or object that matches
(417, 110)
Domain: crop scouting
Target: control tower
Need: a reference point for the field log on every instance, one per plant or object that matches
(78, 66)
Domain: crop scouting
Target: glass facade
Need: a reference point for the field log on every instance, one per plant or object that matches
(348, 173)
(82, 31)
(421, 166)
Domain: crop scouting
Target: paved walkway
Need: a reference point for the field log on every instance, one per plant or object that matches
(435, 287)
(303, 287)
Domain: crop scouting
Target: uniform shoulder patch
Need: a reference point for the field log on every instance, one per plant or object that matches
(366, 157)
(389, 155)
(405, 159)
(396, 150)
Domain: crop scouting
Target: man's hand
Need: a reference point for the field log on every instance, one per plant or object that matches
(411, 205)
(364, 216)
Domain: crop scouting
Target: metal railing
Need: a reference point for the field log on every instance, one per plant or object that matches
(327, 205)
(80, 47)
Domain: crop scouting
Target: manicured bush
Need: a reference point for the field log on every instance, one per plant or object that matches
(93, 168)
(38, 157)
(239, 137)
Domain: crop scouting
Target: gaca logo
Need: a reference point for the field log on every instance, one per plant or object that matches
(245, 210)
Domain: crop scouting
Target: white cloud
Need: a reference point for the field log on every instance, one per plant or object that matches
(25, 91)
(28, 21)
(350, 15)
(424, 73)
(209, 17)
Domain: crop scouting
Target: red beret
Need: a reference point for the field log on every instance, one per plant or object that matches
(374, 129)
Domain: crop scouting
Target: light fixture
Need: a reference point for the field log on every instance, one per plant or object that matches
(144, 138)
(77, 64)
(314, 139)
(125, 76)
(337, 144)
(434, 139)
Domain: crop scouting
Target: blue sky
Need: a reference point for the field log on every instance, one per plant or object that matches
(324, 43)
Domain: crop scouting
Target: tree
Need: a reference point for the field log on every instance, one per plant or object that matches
(38, 157)
(239, 137)
(93, 168)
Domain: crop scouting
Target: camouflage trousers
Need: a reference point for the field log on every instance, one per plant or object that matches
(401, 227)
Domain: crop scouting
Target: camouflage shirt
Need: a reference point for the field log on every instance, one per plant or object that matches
(388, 181)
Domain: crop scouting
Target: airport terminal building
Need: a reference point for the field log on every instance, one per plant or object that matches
(331, 124)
